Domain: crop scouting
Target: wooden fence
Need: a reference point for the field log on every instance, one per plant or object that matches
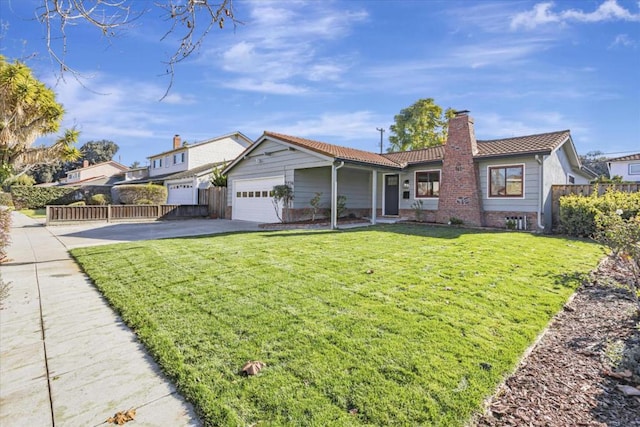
(216, 199)
(57, 214)
(558, 191)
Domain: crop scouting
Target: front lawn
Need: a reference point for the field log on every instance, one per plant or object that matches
(386, 325)
(34, 213)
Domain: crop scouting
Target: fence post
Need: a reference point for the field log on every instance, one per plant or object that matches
(47, 214)
(109, 213)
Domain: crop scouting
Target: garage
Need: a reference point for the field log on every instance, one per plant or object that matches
(180, 193)
(253, 199)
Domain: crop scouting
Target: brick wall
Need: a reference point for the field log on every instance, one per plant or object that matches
(459, 184)
(497, 219)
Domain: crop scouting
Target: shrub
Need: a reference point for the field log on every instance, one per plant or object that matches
(21, 180)
(5, 229)
(217, 179)
(315, 205)
(99, 199)
(133, 194)
(455, 221)
(78, 203)
(6, 199)
(417, 209)
(144, 202)
(38, 197)
(341, 206)
(578, 213)
(282, 198)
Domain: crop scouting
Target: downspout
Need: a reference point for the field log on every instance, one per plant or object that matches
(334, 194)
(539, 159)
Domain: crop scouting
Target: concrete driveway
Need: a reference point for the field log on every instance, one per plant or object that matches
(91, 234)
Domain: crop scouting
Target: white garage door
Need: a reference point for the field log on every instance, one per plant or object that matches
(253, 199)
(180, 194)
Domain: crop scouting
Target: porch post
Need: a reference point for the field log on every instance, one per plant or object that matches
(374, 193)
(334, 196)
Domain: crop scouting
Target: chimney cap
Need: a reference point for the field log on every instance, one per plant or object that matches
(461, 113)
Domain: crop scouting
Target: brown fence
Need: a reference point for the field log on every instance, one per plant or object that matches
(558, 191)
(216, 199)
(123, 212)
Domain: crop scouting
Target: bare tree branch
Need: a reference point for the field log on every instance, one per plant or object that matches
(190, 21)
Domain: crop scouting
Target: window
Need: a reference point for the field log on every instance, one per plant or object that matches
(157, 163)
(178, 158)
(634, 168)
(571, 179)
(427, 184)
(506, 181)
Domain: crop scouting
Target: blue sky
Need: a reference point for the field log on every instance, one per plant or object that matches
(337, 70)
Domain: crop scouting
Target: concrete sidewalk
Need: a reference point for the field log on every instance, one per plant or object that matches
(66, 359)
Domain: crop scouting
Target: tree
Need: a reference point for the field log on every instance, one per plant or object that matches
(29, 110)
(597, 162)
(190, 21)
(421, 125)
(135, 165)
(99, 151)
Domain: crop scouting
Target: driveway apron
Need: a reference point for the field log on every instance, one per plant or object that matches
(66, 358)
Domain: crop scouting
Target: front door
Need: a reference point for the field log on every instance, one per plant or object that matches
(391, 194)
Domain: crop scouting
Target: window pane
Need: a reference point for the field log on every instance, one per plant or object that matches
(634, 168)
(514, 181)
(498, 182)
(428, 184)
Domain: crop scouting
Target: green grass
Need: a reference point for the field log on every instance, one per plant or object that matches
(389, 325)
(34, 213)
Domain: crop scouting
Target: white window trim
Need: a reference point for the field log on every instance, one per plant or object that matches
(506, 165)
(415, 183)
(634, 164)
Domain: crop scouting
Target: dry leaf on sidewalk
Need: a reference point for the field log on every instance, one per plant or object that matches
(122, 417)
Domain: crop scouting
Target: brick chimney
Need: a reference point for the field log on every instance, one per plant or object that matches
(85, 163)
(460, 195)
(176, 142)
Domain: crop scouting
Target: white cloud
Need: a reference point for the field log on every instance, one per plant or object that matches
(623, 40)
(286, 46)
(542, 14)
(341, 126)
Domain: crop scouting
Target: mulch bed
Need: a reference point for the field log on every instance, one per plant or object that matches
(576, 374)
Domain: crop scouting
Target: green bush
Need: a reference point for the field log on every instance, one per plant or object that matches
(6, 199)
(39, 197)
(78, 203)
(144, 202)
(133, 194)
(5, 228)
(578, 213)
(99, 199)
(22, 180)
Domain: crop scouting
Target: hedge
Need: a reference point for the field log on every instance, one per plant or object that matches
(133, 194)
(578, 213)
(39, 197)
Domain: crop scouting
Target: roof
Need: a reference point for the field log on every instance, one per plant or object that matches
(197, 144)
(177, 175)
(111, 162)
(625, 158)
(337, 151)
(529, 144)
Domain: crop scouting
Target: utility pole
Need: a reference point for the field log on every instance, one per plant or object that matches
(381, 130)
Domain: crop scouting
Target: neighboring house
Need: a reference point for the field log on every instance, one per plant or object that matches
(480, 182)
(186, 167)
(628, 167)
(136, 173)
(105, 173)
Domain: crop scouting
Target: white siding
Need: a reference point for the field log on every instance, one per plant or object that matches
(223, 150)
(621, 168)
(410, 175)
(530, 201)
(167, 164)
(308, 182)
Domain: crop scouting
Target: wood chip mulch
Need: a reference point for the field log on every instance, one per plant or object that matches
(586, 367)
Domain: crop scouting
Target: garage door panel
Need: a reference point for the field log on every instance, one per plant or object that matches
(180, 194)
(253, 199)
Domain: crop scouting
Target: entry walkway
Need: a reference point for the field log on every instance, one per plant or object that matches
(66, 359)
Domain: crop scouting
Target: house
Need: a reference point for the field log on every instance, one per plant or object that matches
(105, 173)
(481, 183)
(186, 167)
(628, 167)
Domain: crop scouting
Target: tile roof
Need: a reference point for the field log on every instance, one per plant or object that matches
(342, 153)
(625, 158)
(522, 144)
(539, 143)
(417, 156)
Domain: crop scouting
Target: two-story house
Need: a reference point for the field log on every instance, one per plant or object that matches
(187, 167)
(628, 167)
(105, 173)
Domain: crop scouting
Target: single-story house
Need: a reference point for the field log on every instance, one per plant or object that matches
(482, 183)
(105, 173)
(628, 167)
(186, 167)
